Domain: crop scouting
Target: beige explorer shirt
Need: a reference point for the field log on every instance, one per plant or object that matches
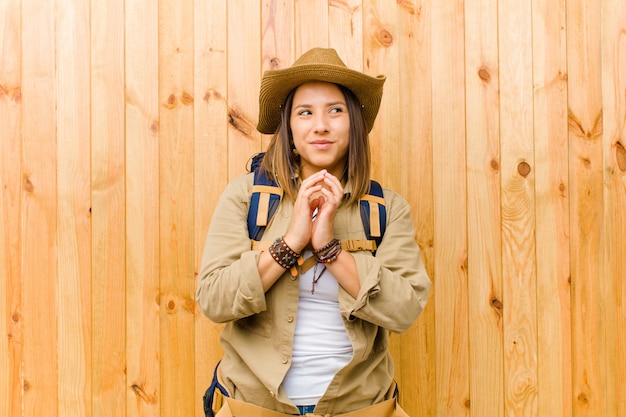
(257, 337)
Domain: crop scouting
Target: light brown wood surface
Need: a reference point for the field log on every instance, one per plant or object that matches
(484, 217)
(450, 300)
(142, 387)
(502, 124)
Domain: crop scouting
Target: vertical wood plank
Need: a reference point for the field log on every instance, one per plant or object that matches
(277, 34)
(380, 56)
(10, 210)
(552, 208)
(108, 203)
(483, 213)
(211, 147)
(74, 207)
(345, 31)
(450, 229)
(244, 74)
(277, 39)
(38, 228)
(143, 396)
(613, 289)
(311, 23)
(416, 359)
(176, 161)
(518, 211)
(586, 206)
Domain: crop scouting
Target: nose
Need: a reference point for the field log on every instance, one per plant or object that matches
(321, 123)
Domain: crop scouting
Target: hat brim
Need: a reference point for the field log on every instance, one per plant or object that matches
(277, 84)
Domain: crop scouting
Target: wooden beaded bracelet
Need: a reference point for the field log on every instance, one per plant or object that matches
(329, 252)
(283, 254)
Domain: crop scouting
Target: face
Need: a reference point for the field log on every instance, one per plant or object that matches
(320, 125)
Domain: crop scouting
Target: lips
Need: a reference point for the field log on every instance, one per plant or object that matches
(321, 144)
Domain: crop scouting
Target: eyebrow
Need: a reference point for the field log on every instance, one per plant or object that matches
(330, 104)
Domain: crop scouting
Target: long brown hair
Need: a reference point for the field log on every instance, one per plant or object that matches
(281, 163)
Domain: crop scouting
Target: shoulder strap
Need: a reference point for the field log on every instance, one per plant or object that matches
(374, 213)
(265, 198)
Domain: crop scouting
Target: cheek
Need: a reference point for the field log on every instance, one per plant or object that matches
(298, 130)
(345, 137)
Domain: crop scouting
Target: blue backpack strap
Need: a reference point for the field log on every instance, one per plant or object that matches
(266, 195)
(374, 213)
(209, 394)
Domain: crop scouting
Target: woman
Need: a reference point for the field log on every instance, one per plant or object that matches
(300, 340)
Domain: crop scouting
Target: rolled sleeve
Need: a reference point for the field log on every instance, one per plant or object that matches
(394, 283)
(229, 286)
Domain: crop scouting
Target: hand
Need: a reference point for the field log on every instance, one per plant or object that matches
(314, 211)
(300, 230)
(326, 202)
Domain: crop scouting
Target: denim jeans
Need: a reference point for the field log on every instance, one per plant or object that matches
(305, 409)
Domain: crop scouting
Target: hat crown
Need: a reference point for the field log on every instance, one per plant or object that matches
(320, 56)
(317, 64)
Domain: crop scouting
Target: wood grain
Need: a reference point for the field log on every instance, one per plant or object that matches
(552, 209)
(11, 394)
(485, 281)
(244, 75)
(38, 223)
(518, 209)
(108, 245)
(380, 54)
(277, 39)
(311, 25)
(74, 208)
(586, 206)
(345, 31)
(210, 163)
(450, 230)
(176, 208)
(141, 67)
(612, 287)
(414, 352)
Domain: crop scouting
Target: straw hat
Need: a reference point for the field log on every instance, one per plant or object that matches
(317, 64)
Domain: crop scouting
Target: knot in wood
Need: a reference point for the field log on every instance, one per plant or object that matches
(28, 185)
(186, 99)
(524, 169)
(384, 37)
(496, 304)
(15, 318)
(171, 101)
(484, 75)
(582, 398)
(620, 156)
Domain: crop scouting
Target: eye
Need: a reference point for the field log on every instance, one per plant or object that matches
(304, 113)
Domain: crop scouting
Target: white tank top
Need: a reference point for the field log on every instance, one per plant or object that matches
(321, 345)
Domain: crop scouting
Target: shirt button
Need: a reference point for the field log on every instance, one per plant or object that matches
(285, 360)
(272, 394)
(290, 319)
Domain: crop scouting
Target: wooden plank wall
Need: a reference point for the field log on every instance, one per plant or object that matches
(503, 124)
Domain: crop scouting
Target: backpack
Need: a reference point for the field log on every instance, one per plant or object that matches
(266, 196)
